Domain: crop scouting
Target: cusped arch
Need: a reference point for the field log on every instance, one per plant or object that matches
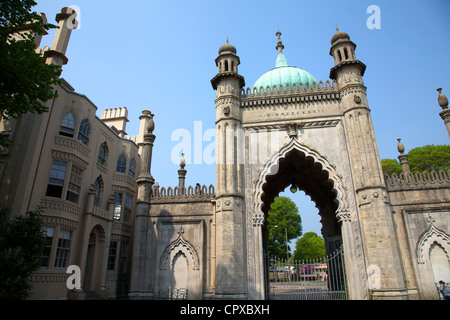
(428, 238)
(271, 166)
(183, 246)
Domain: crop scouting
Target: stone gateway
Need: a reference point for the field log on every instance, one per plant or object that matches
(128, 237)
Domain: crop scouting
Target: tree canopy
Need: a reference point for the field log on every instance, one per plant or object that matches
(426, 158)
(283, 219)
(26, 81)
(21, 244)
(310, 246)
(429, 158)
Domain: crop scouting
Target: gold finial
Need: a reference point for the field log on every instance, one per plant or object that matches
(337, 29)
(227, 39)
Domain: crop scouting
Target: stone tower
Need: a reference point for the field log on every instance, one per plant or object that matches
(380, 243)
(230, 261)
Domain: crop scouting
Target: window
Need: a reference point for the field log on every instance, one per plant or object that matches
(84, 132)
(73, 191)
(102, 153)
(98, 188)
(56, 180)
(63, 249)
(45, 257)
(132, 170)
(117, 205)
(128, 205)
(121, 163)
(112, 255)
(68, 125)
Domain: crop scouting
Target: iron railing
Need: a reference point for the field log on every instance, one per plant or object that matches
(315, 279)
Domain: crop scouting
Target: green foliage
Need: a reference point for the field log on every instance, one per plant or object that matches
(310, 246)
(21, 243)
(26, 81)
(391, 166)
(428, 158)
(283, 216)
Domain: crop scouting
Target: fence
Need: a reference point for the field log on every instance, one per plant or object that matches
(318, 279)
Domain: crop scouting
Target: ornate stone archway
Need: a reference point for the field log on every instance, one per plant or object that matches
(257, 209)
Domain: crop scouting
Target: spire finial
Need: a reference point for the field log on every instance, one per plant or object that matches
(279, 46)
(227, 39)
(337, 29)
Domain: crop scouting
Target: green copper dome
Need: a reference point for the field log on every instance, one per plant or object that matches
(283, 74)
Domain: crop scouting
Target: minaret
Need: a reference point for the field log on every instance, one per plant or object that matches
(230, 262)
(143, 228)
(57, 53)
(374, 210)
(445, 113)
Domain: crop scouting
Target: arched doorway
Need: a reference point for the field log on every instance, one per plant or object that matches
(299, 171)
(95, 252)
(309, 171)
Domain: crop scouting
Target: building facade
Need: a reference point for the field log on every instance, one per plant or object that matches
(103, 211)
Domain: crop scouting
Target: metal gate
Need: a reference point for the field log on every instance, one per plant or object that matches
(318, 279)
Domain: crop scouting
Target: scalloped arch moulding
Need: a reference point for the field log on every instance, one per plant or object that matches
(342, 213)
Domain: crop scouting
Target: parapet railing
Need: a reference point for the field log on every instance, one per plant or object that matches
(189, 193)
(296, 87)
(418, 179)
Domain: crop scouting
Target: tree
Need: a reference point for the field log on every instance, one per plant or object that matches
(283, 218)
(310, 246)
(391, 166)
(429, 158)
(26, 81)
(21, 244)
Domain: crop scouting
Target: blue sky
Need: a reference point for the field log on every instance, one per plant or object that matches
(159, 55)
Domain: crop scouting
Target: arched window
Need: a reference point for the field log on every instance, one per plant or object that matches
(98, 189)
(132, 170)
(102, 153)
(339, 55)
(121, 163)
(84, 132)
(346, 53)
(68, 125)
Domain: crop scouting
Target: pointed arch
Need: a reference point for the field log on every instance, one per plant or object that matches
(84, 132)
(183, 246)
(429, 237)
(342, 211)
(121, 163)
(68, 124)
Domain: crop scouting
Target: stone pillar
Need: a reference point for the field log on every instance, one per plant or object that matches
(144, 237)
(445, 113)
(377, 224)
(230, 273)
(403, 158)
(182, 175)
